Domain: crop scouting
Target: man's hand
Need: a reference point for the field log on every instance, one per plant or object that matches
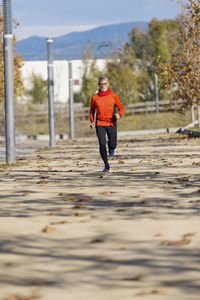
(92, 125)
(117, 116)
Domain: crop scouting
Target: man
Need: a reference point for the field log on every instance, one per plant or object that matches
(105, 103)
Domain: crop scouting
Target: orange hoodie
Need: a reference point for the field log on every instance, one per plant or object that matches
(105, 108)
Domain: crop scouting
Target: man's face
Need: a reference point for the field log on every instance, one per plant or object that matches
(103, 85)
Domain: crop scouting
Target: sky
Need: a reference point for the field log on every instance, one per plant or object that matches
(51, 18)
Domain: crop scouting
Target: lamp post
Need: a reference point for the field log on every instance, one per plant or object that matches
(156, 93)
(52, 136)
(71, 101)
(8, 83)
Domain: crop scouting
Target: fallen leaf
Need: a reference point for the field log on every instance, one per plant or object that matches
(104, 193)
(49, 214)
(145, 202)
(182, 242)
(43, 166)
(194, 201)
(189, 234)
(120, 161)
(85, 199)
(182, 179)
(21, 297)
(185, 185)
(25, 194)
(156, 173)
(48, 229)
(78, 206)
(160, 290)
(136, 278)
(159, 234)
(196, 164)
(42, 283)
(174, 203)
(43, 181)
(79, 215)
(59, 222)
(161, 202)
(97, 241)
(143, 293)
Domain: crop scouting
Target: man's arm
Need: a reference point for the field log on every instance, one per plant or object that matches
(92, 111)
(120, 107)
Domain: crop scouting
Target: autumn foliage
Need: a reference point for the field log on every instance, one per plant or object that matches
(183, 73)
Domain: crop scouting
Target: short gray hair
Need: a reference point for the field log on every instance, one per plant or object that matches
(102, 77)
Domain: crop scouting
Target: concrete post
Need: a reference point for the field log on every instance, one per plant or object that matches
(156, 93)
(52, 135)
(9, 83)
(71, 101)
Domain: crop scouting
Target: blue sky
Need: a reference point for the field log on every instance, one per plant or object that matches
(50, 18)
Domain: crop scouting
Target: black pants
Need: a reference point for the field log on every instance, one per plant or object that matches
(111, 132)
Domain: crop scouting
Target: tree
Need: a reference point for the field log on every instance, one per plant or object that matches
(152, 48)
(38, 93)
(90, 75)
(184, 72)
(17, 64)
(121, 73)
(131, 70)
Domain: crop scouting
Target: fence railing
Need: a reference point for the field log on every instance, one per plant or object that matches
(26, 118)
(131, 109)
(40, 112)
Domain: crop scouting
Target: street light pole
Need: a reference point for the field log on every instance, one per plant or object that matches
(9, 83)
(71, 101)
(52, 135)
(156, 93)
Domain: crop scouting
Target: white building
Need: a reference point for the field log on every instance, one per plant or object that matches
(61, 76)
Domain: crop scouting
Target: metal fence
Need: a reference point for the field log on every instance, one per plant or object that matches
(39, 113)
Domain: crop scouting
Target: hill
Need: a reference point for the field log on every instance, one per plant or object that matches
(70, 46)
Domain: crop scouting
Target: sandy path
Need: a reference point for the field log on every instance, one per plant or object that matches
(68, 231)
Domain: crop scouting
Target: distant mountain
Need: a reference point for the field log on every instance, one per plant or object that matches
(70, 46)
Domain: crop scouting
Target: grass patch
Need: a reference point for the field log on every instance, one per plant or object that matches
(154, 121)
(127, 123)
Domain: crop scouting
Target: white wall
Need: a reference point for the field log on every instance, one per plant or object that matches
(61, 79)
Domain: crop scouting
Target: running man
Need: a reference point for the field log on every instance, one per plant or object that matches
(105, 102)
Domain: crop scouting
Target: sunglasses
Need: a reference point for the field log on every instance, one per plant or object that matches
(102, 84)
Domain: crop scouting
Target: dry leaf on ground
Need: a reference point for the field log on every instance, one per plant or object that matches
(59, 222)
(182, 242)
(159, 290)
(136, 278)
(21, 297)
(48, 229)
(189, 234)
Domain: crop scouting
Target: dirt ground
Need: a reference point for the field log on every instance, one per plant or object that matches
(70, 231)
